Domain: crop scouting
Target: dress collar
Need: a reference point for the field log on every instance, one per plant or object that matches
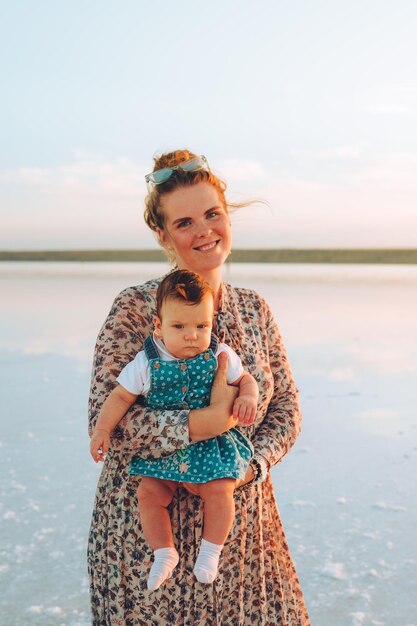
(224, 319)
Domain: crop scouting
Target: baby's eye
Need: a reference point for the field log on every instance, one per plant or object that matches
(179, 326)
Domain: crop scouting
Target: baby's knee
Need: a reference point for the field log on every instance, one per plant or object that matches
(218, 489)
(145, 489)
(154, 490)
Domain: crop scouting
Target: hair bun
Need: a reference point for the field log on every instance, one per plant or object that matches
(170, 159)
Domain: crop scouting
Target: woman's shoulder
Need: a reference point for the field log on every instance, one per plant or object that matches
(249, 298)
(137, 295)
(137, 290)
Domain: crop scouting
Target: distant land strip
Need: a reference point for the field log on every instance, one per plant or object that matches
(289, 255)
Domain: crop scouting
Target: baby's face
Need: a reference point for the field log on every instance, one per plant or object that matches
(184, 328)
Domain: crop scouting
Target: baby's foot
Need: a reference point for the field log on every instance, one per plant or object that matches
(165, 559)
(205, 569)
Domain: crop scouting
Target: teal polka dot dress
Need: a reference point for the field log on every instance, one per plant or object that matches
(186, 384)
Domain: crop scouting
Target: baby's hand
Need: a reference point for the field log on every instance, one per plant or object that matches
(99, 445)
(244, 409)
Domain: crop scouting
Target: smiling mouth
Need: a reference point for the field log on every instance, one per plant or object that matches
(207, 246)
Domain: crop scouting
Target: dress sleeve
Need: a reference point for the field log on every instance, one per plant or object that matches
(282, 422)
(152, 432)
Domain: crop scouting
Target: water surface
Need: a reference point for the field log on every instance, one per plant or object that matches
(346, 491)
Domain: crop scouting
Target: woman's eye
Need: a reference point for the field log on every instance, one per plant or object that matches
(212, 214)
(183, 223)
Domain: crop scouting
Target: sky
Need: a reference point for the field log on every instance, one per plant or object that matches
(309, 106)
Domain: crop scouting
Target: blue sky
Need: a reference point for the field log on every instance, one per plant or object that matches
(311, 106)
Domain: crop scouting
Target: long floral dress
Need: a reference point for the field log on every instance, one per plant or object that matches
(257, 584)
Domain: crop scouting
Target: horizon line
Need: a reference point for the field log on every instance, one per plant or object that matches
(238, 255)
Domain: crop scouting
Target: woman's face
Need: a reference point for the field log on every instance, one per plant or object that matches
(197, 228)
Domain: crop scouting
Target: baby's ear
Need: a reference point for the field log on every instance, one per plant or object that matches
(157, 326)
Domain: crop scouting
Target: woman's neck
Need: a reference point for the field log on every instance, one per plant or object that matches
(217, 293)
(214, 279)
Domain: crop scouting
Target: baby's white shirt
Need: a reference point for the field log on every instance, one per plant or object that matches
(135, 377)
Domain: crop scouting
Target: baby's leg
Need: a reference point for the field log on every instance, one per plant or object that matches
(219, 515)
(154, 496)
(219, 509)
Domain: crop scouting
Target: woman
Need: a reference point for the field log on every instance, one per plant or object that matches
(257, 583)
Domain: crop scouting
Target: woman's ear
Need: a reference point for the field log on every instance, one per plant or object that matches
(162, 238)
(157, 326)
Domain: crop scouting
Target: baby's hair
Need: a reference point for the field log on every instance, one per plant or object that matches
(184, 286)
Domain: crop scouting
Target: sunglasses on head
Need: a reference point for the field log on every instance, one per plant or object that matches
(161, 176)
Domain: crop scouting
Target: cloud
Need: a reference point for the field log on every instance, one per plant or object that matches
(241, 170)
(369, 199)
(387, 109)
(395, 171)
(391, 99)
(89, 175)
(77, 204)
(347, 151)
(370, 202)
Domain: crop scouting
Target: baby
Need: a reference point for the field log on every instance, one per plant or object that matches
(175, 371)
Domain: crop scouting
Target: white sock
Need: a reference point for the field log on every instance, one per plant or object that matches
(165, 559)
(205, 568)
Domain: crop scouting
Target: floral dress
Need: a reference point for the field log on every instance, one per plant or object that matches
(257, 584)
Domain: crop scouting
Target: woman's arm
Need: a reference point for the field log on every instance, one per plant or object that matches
(218, 417)
(282, 423)
(152, 432)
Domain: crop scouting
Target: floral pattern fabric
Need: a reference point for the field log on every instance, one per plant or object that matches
(257, 584)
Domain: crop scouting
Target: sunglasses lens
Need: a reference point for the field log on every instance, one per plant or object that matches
(161, 175)
(193, 165)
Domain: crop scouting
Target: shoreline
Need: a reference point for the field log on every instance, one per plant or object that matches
(290, 255)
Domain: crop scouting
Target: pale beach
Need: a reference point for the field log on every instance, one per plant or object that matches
(346, 492)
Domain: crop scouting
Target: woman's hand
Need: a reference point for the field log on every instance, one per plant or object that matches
(217, 418)
(250, 475)
(193, 488)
